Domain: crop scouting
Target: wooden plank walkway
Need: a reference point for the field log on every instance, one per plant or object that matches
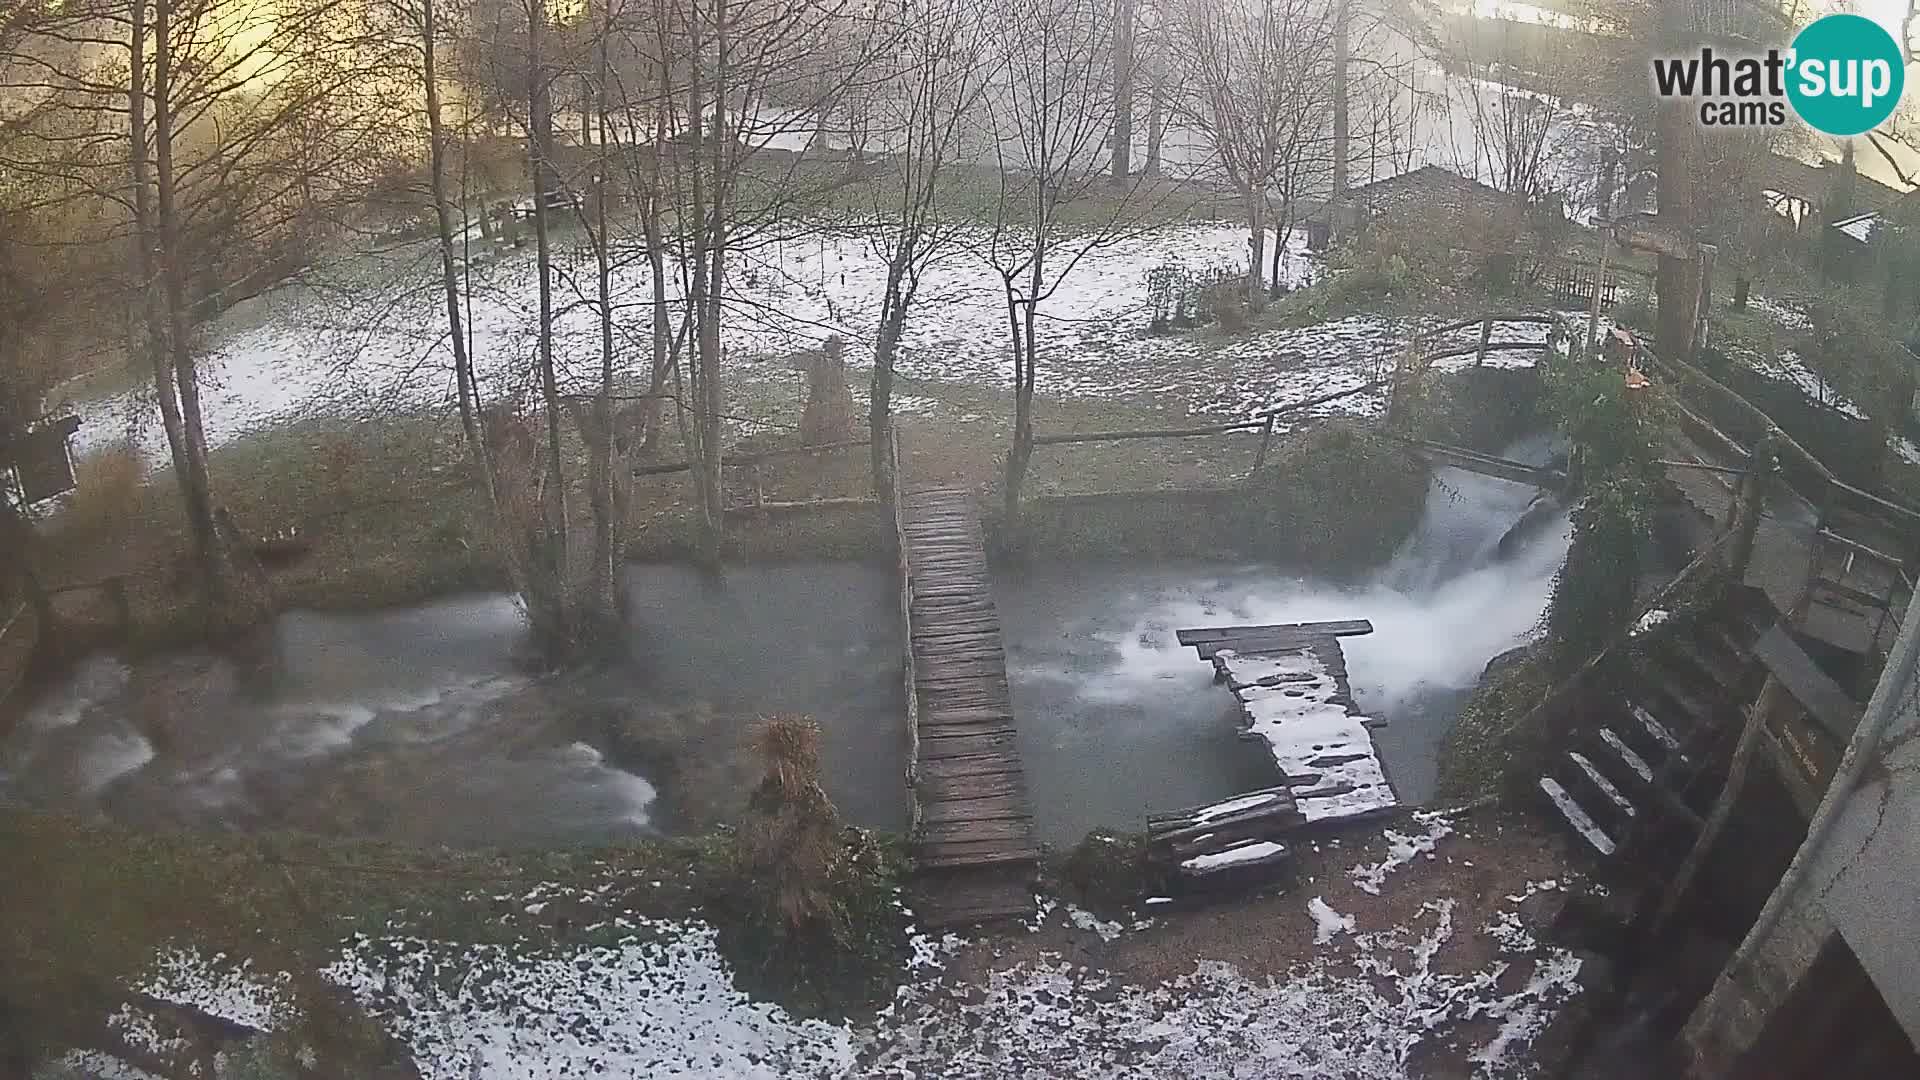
(1291, 682)
(973, 837)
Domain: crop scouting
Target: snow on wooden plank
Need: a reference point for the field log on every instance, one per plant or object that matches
(1299, 706)
(1606, 786)
(1241, 855)
(1633, 760)
(1577, 816)
(1340, 628)
(1239, 804)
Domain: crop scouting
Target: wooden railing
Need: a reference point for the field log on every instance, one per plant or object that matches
(752, 462)
(1262, 421)
(1706, 406)
(1486, 345)
(905, 570)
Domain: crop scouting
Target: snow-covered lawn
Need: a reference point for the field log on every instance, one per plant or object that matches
(369, 334)
(1372, 980)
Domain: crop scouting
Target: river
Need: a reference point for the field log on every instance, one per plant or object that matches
(424, 725)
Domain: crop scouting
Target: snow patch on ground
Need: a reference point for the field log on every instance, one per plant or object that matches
(1087, 920)
(1327, 923)
(1905, 447)
(1654, 617)
(366, 337)
(1783, 314)
(1789, 367)
(1402, 848)
(1055, 1019)
(662, 1002)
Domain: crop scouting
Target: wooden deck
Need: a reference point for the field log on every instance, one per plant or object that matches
(1291, 682)
(973, 839)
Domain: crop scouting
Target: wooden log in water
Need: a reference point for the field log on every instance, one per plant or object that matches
(1239, 865)
(1213, 811)
(1275, 816)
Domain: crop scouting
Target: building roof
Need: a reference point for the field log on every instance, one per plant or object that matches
(1811, 183)
(1422, 183)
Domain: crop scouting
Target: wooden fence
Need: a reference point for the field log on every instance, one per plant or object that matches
(751, 465)
(1263, 422)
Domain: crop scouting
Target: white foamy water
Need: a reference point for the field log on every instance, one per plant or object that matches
(1118, 719)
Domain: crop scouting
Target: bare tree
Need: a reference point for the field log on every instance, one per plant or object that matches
(729, 192)
(942, 74)
(1126, 23)
(1261, 77)
(216, 138)
(1051, 110)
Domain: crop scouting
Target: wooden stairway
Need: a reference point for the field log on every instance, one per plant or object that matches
(1622, 777)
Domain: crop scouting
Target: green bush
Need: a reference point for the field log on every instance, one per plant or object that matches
(1593, 596)
(1478, 750)
(1109, 871)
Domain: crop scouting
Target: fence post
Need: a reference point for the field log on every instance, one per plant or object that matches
(1486, 338)
(1749, 504)
(1266, 440)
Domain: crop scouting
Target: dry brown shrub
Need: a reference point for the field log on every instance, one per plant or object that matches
(791, 841)
(106, 482)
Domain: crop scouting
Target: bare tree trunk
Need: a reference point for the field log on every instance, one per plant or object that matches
(463, 377)
(662, 322)
(708, 258)
(1023, 319)
(604, 596)
(655, 233)
(1342, 31)
(553, 541)
(153, 338)
(1256, 241)
(1675, 285)
(893, 317)
(231, 604)
(1123, 15)
(1156, 123)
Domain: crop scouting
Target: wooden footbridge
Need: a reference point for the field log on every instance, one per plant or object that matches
(973, 842)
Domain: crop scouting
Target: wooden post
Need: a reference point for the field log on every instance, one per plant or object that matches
(1750, 735)
(1266, 440)
(1486, 338)
(1599, 284)
(1702, 296)
(1748, 505)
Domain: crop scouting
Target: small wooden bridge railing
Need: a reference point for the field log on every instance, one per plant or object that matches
(1263, 422)
(1423, 359)
(751, 464)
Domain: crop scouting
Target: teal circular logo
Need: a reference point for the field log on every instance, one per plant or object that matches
(1846, 74)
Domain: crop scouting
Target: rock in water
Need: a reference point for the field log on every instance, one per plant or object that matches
(829, 413)
(1544, 510)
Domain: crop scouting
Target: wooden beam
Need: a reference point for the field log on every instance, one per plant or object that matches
(1830, 706)
(1339, 628)
(731, 460)
(1145, 433)
(1486, 464)
(1323, 399)
(1750, 736)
